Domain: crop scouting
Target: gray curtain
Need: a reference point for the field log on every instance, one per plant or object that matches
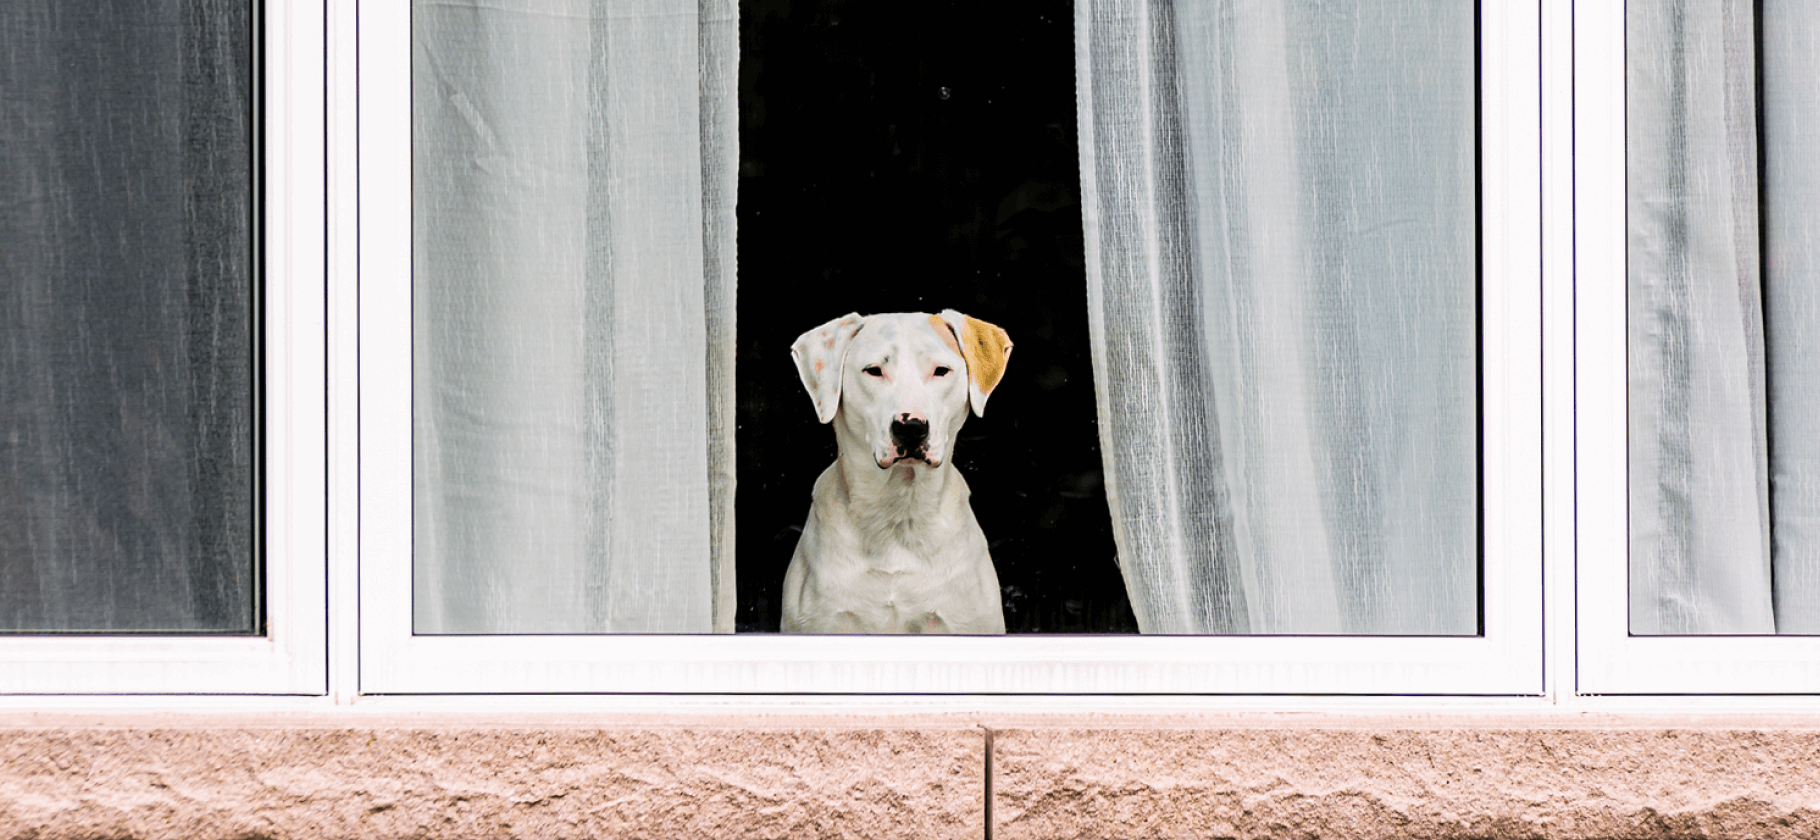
(127, 374)
(1724, 304)
(1281, 252)
(573, 315)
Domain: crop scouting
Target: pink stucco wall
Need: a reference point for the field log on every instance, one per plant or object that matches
(1188, 776)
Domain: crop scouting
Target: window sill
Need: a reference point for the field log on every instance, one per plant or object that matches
(346, 773)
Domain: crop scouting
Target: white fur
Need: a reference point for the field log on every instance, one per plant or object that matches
(891, 544)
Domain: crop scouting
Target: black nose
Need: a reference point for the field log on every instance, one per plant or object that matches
(910, 432)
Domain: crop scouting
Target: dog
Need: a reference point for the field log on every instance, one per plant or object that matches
(891, 544)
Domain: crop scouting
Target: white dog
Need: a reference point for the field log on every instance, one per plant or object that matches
(891, 545)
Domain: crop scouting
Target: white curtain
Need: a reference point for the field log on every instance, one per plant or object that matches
(1281, 218)
(573, 315)
(1724, 259)
(1791, 201)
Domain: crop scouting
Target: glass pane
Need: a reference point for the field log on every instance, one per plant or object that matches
(565, 210)
(937, 164)
(1282, 269)
(1724, 312)
(1307, 325)
(1277, 306)
(127, 338)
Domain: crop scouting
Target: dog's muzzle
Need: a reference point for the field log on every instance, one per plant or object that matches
(911, 437)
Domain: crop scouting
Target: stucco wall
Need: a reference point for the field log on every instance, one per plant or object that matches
(1338, 784)
(279, 776)
(484, 781)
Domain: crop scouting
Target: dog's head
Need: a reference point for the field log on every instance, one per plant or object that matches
(901, 383)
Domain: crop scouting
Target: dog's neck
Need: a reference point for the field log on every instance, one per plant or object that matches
(907, 504)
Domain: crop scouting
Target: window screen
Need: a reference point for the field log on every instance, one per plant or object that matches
(128, 342)
(1721, 104)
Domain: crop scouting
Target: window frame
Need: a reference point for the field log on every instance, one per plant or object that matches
(1589, 654)
(1611, 660)
(1506, 660)
(291, 656)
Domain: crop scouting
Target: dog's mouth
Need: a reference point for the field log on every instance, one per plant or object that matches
(915, 456)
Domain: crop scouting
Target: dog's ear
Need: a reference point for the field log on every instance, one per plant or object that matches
(821, 356)
(986, 348)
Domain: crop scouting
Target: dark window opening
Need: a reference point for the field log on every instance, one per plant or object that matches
(913, 159)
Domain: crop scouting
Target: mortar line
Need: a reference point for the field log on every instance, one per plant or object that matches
(989, 769)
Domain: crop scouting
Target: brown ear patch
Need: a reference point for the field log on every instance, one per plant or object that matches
(987, 348)
(946, 332)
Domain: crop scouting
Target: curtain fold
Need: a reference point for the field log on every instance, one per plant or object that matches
(573, 268)
(1791, 266)
(1723, 307)
(1281, 218)
(719, 69)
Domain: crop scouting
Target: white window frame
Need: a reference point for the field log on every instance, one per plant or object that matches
(1506, 660)
(291, 657)
(1611, 661)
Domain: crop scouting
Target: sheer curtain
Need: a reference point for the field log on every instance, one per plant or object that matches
(1281, 221)
(573, 315)
(1724, 290)
(128, 456)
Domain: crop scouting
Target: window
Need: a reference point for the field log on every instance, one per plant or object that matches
(420, 628)
(1694, 234)
(598, 313)
(162, 513)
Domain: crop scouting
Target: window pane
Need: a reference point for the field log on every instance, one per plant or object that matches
(1283, 270)
(1724, 314)
(934, 159)
(565, 194)
(127, 337)
(1279, 286)
(569, 300)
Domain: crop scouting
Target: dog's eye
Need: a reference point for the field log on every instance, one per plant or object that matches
(941, 371)
(874, 370)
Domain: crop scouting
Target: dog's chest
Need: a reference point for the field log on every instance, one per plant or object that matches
(908, 588)
(901, 592)
(901, 573)
(907, 559)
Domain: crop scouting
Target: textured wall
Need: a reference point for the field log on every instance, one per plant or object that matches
(1342, 784)
(485, 782)
(723, 776)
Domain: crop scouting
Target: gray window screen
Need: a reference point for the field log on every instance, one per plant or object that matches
(128, 342)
